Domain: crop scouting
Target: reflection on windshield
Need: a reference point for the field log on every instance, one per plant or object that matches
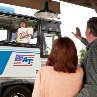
(48, 44)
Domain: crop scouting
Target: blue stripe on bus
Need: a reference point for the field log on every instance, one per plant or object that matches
(4, 57)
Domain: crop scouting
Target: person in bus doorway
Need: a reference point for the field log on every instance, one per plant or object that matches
(89, 63)
(61, 77)
(24, 33)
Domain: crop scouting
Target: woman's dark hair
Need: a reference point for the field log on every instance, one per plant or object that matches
(63, 56)
(92, 24)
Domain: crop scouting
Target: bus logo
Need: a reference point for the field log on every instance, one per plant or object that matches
(23, 60)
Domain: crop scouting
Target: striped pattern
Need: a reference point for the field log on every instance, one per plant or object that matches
(24, 59)
(89, 64)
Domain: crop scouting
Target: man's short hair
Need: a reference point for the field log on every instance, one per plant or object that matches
(92, 24)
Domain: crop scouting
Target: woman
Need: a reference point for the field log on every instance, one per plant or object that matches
(61, 77)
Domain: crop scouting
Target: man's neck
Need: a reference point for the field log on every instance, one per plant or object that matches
(92, 39)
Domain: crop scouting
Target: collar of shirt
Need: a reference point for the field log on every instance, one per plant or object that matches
(93, 43)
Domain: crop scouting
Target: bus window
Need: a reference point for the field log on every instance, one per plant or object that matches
(48, 41)
(3, 35)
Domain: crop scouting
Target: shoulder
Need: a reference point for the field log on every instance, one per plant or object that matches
(30, 28)
(80, 71)
(45, 70)
(20, 28)
(44, 73)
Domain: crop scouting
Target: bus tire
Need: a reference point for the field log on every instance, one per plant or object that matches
(17, 91)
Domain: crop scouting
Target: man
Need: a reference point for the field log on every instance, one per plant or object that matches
(89, 63)
(24, 33)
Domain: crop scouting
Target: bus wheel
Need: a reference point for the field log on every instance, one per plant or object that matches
(17, 91)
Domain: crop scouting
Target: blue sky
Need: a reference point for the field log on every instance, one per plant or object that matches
(71, 16)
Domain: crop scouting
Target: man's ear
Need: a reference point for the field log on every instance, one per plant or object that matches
(88, 31)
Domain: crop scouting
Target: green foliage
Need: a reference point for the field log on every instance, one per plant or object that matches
(82, 54)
